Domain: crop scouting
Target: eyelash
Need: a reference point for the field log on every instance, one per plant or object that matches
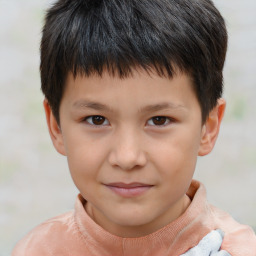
(98, 117)
(105, 122)
(167, 120)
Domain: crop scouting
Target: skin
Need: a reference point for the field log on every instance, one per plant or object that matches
(148, 130)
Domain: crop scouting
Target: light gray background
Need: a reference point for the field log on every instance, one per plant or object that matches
(34, 180)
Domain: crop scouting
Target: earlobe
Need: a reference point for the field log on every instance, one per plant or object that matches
(211, 128)
(54, 129)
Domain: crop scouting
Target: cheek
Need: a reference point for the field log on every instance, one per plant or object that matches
(175, 163)
(176, 155)
(84, 157)
(84, 165)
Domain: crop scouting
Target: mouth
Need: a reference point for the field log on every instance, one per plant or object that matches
(129, 190)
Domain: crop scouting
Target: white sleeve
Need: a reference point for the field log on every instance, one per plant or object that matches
(209, 245)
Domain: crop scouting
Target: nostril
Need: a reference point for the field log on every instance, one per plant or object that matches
(127, 160)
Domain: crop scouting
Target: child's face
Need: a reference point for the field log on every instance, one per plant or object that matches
(132, 146)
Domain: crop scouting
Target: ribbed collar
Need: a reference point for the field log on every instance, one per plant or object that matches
(172, 240)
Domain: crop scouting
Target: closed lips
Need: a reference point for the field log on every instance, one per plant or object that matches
(129, 190)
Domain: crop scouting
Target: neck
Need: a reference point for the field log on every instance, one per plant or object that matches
(139, 230)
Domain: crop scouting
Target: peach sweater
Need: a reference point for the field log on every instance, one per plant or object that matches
(76, 234)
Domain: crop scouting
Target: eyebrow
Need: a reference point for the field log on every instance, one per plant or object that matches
(162, 106)
(81, 104)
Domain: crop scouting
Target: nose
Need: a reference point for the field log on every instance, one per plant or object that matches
(127, 151)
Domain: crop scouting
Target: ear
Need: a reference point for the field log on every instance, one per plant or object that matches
(211, 128)
(54, 129)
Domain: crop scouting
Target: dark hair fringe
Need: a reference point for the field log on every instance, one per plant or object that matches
(90, 36)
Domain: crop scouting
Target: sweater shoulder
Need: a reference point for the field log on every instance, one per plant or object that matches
(239, 239)
(44, 238)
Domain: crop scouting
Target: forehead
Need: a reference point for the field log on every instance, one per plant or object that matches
(150, 75)
(141, 91)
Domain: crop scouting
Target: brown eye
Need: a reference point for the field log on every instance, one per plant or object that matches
(97, 120)
(159, 121)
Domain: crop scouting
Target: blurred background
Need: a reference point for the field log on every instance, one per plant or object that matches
(34, 180)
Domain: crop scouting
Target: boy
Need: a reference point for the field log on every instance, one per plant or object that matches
(132, 97)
